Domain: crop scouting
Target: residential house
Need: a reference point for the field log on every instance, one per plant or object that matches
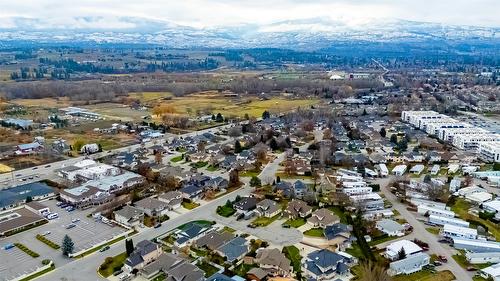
(273, 261)
(323, 218)
(338, 234)
(492, 271)
(297, 209)
(285, 188)
(475, 245)
(392, 250)
(410, 264)
(233, 250)
(246, 205)
(172, 198)
(152, 207)
(144, 253)
(129, 216)
(325, 265)
(299, 189)
(267, 208)
(390, 227)
(192, 191)
(189, 234)
(454, 231)
(213, 240)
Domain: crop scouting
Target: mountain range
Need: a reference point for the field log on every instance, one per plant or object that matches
(313, 33)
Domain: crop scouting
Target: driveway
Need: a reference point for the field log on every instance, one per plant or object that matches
(421, 233)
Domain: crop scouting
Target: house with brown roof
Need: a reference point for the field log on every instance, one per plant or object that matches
(172, 198)
(297, 209)
(213, 240)
(323, 218)
(273, 261)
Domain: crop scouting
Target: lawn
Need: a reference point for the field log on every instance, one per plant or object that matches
(190, 205)
(249, 174)
(211, 168)
(225, 211)
(426, 275)
(461, 207)
(341, 214)
(207, 268)
(433, 230)
(113, 264)
(229, 229)
(381, 239)
(295, 223)
(243, 268)
(314, 232)
(263, 221)
(177, 158)
(199, 164)
(293, 254)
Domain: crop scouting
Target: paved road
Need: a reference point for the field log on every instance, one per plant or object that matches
(85, 269)
(45, 171)
(421, 233)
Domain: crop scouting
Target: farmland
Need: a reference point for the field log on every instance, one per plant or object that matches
(192, 104)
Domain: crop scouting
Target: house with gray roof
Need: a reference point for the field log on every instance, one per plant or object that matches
(190, 233)
(213, 240)
(172, 198)
(410, 264)
(129, 216)
(390, 227)
(323, 218)
(273, 261)
(145, 252)
(234, 249)
(268, 208)
(152, 207)
(326, 265)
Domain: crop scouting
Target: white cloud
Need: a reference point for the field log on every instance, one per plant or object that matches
(207, 13)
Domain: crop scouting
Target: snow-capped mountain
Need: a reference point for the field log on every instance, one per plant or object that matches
(307, 33)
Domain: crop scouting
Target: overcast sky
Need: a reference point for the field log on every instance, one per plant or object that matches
(106, 14)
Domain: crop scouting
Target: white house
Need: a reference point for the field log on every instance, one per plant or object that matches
(399, 170)
(410, 264)
(446, 220)
(427, 210)
(453, 231)
(382, 168)
(390, 227)
(479, 197)
(491, 271)
(410, 248)
(481, 258)
(417, 169)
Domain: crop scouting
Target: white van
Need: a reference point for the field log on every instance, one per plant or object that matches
(52, 216)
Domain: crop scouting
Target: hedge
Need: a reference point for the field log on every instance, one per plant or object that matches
(26, 250)
(49, 243)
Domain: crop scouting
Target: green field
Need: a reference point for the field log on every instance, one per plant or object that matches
(111, 264)
(295, 223)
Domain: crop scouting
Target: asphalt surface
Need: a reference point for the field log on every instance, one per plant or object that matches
(421, 233)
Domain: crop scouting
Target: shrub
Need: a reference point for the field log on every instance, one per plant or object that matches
(46, 241)
(45, 261)
(26, 250)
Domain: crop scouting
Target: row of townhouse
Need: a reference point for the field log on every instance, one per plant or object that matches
(461, 134)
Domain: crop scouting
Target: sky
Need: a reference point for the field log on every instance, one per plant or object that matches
(113, 14)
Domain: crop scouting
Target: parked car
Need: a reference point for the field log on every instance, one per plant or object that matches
(71, 225)
(70, 208)
(158, 225)
(471, 268)
(105, 248)
(75, 220)
(46, 233)
(8, 246)
(442, 258)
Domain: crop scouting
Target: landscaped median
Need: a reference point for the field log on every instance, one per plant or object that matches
(112, 264)
(48, 242)
(26, 250)
(41, 271)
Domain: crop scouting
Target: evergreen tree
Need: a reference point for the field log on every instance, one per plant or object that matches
(401, 254)
(394, 138)
(273, 144)
(67, 245)
(129, 246)
(237, 147)
(255, 181)
(382, 132)
(219, 118)
(266, 115)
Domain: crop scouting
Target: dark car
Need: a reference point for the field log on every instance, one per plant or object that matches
(158, 225)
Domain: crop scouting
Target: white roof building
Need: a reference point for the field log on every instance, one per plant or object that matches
(410, 248)
(479, 197)
(453, 231)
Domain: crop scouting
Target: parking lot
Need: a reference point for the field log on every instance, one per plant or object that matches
(86, 233)
(15, 262)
